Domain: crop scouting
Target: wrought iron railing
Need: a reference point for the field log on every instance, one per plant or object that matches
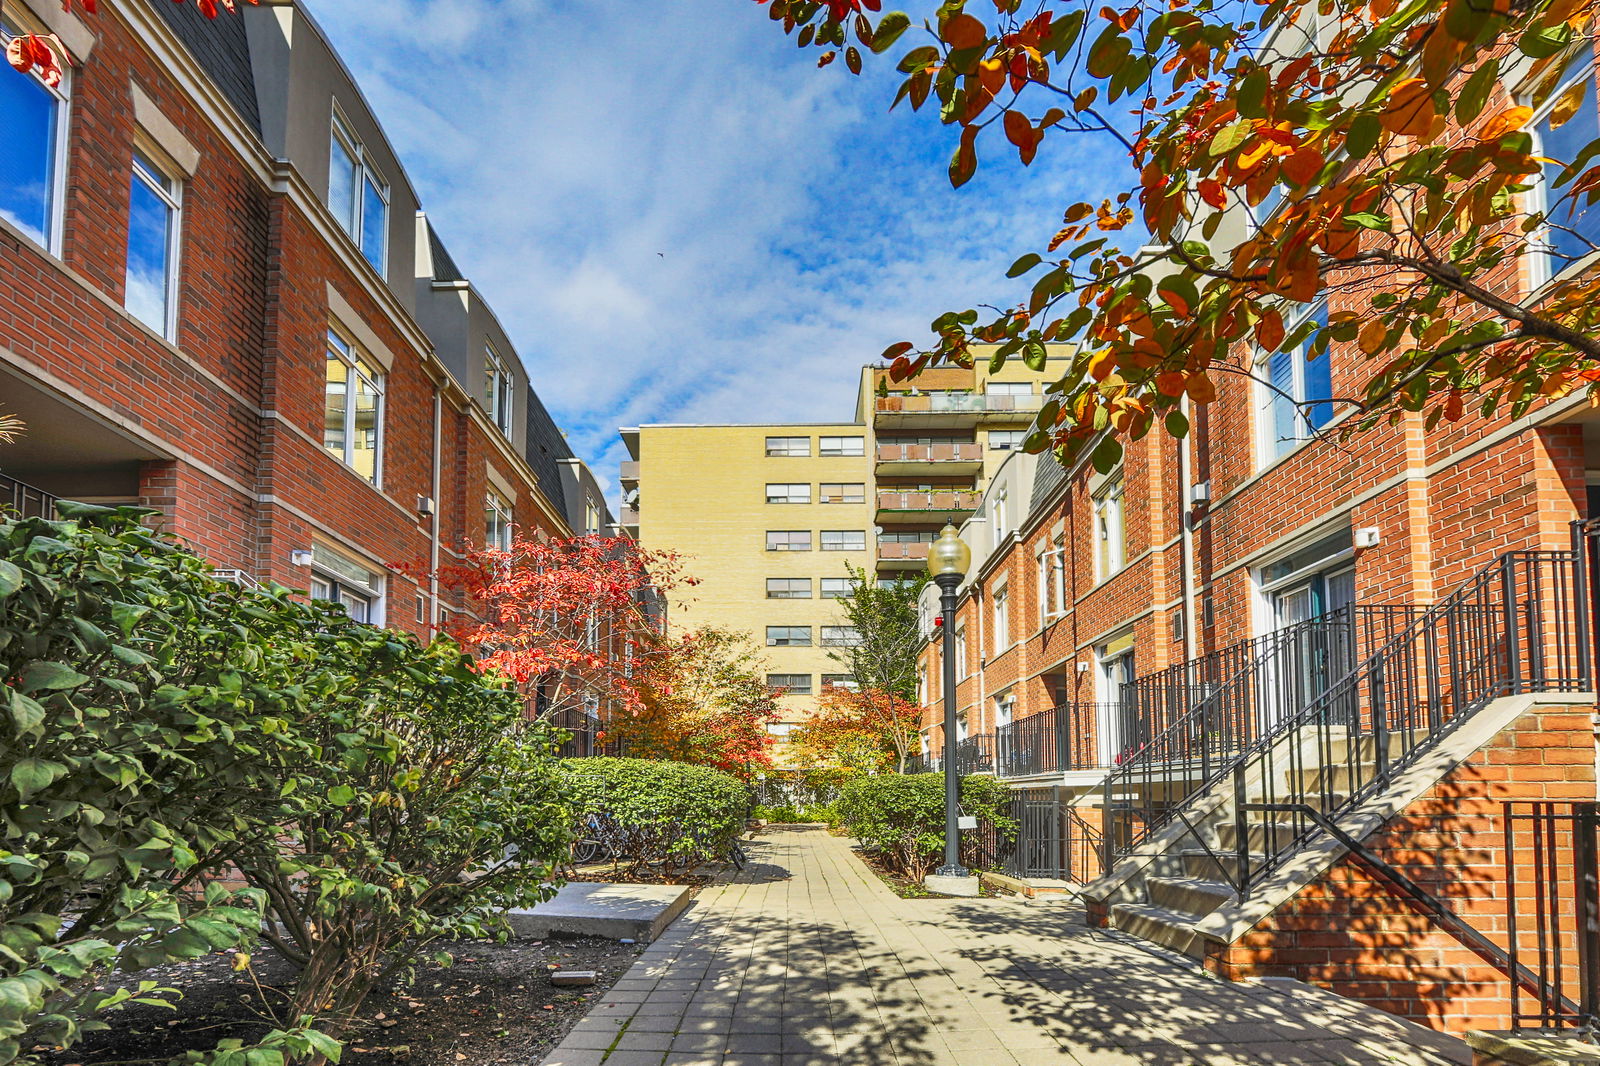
(1191, 723)
(1552, 894)
(1057, 740)
(1519, 626)
(974, 755)
(20, 498)
(1052, 839)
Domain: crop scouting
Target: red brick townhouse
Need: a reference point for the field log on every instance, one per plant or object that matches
(219, 298)
(1265, 695)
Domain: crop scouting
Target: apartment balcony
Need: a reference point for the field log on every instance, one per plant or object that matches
(897, 555)
(954, 409)
(941, 505)
(24, 500)
(629, 474)
(940, 459)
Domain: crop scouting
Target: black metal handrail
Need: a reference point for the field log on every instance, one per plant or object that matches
(1548, 839)
(25, 500)
(1519, 626)
(1203, 715)
(1060, 739)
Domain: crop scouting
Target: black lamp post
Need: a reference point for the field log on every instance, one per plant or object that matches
(948, 559)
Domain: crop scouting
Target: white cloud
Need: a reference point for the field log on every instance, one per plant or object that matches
(676, 216)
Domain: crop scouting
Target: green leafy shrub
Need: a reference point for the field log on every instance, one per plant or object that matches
(790, 814)
(144, 740)
(657, 811)
(900, 818)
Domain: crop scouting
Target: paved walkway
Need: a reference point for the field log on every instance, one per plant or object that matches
(807, 959)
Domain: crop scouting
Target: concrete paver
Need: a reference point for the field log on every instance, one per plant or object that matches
(806, 959)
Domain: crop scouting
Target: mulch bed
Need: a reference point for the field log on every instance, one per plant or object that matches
(906, 888)
(494, 1005)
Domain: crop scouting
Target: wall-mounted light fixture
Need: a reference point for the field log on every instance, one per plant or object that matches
(300, 557)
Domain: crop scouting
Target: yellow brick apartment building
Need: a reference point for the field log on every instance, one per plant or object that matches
(771, 516)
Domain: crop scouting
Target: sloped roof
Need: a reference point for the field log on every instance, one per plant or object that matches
(221, 47)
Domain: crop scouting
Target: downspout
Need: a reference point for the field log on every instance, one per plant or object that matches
(433, 519)
(1186, 538)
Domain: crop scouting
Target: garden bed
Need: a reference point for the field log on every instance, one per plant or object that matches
(494, 1005)
(906, 888)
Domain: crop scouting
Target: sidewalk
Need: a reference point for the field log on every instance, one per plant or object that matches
(807, 959)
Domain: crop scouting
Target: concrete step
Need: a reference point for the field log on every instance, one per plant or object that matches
(1169, 928)
(1263, 836)
(1195, 896)
(1199, 863)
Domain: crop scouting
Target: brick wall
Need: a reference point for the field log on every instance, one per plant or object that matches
(1347, 933)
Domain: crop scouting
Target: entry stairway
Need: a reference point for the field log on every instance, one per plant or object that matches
(1278, 768)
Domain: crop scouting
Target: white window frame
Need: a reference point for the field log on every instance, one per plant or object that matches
(499, 392)
(843, 681)
(1267, 442)
(785, 545)
(842, 637)
(962, 670)
(834, 594)
(1543, 267)
(354, 228)
(331, 586)
(848, 492)
(498, 515)
(998, 516)
(156, 179)
(837, 447)
(789, 594)
(785, 449)
(1110, 526)
(62, 93)
(788, 492)
(1000, 615)
(788, 642)
(356, 361)
(848, 545)
(804, 689)
(1006, 440)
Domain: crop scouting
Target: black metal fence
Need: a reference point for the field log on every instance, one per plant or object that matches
(974, 755)
(25, 500)
(1053, 741)
(1552, 898)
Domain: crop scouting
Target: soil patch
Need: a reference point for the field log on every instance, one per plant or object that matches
(495, 1004)
(906, 888)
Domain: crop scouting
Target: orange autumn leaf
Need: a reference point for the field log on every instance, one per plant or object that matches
(1269, 329)
(963, 31)
(1409, 111)
(1201, 389)
(1211, 192)
(1510, 120)
(1303, 166)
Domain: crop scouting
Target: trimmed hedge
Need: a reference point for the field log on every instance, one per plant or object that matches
(900, 817)
(659, 811)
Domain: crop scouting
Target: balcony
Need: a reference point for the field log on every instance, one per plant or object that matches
(955, 409)
(1060, 740)
(941, 505)
(943, 459)
(24, 500)
(898, 555)
(974, 755)
(629, 474)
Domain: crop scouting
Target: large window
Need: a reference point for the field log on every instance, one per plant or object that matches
(788, 540)
(1572, 227)
(961, 652)
(837, 588)
(786, 492)
(1111, 549)
(790, 684)
(842, 492)
(337, 578)
(846, 681)
(1050, 577)
(788, 588)
(498, 387)
(352, 430)
(1297, 393)
(788, 636)
(151, 283)
(788, 445)
(844, 540)
(1001, 599)
(999, 515)
(841, 446)
(357, 196)
(1006, 440)
(496, 522)
(840, 636)
(33, 116)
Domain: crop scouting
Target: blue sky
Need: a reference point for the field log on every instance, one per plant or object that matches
(676, 215)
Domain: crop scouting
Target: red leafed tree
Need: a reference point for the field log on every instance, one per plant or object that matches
(575, 623)
(867, 730)
(704, 700)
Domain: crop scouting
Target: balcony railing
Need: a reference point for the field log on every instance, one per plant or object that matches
(917, 550)
(1058, 740)
(974, 755)
(958, 403)
(953, 500)
(630, 470)
(929, 453)
(18, 497)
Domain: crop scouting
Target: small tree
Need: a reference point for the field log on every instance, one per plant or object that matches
(566, 620)
(703, 699)
(884, 656)
(864, 730)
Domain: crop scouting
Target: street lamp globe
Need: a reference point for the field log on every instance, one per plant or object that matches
(949, 555)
